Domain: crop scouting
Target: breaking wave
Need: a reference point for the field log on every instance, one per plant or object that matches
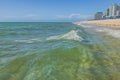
(72, 35)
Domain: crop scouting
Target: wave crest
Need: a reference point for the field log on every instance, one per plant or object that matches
(72, 35)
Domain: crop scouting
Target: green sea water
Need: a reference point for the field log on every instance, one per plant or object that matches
(57, 51)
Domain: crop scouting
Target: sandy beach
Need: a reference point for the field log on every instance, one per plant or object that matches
(115, 23)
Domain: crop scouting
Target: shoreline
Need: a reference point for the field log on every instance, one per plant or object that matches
(112, 31)
(113, 23)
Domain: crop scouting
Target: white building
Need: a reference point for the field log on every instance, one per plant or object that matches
(113, 11)
(118, 13)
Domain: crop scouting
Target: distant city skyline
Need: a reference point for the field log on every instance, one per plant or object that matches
(51, 10)
(112, 12)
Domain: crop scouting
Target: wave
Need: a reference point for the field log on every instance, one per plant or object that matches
(72, 35)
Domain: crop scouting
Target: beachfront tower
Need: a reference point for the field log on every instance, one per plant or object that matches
(98, 16)
(118, 13)
(107, 12)
(114, 10)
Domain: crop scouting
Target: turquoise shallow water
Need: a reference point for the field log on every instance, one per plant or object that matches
(57, 51)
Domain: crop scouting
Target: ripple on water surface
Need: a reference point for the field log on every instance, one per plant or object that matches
(57, 51)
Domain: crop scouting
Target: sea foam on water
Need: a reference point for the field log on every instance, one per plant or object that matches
(115, 33)
(109, 31)
(72, 35)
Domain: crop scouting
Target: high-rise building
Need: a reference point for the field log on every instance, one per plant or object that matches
(118, 13)
(107, 12)
(113, 10)
(98, 16)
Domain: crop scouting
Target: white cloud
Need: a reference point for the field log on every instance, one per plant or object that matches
(73, 16)
(34, 17)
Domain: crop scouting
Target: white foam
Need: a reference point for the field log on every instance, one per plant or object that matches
(109, 31)
(29, 40)
(72, 35)
(115, 33)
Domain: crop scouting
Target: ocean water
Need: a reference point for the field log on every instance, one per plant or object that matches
(57, 51)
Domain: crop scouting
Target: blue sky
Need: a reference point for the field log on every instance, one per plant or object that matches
(51, 10)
